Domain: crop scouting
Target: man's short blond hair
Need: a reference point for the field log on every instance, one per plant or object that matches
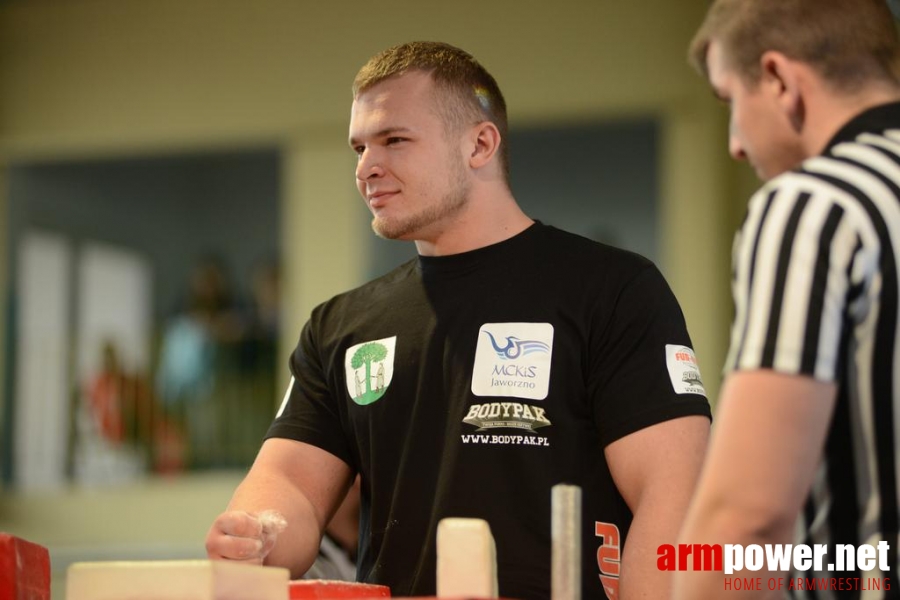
(849, 42)
(466, 93)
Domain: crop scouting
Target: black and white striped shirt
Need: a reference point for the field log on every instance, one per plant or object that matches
(815, 289)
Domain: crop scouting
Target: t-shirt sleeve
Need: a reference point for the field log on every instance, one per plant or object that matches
(803, 267)
(309, 412)
(643, 368)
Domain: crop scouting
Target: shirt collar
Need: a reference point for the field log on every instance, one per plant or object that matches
(877, 118)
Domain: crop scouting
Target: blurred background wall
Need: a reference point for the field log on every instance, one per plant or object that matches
(230, 117)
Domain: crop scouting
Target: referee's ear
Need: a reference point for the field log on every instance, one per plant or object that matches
(785, 80)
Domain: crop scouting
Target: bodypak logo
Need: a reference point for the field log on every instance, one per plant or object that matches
(506, 414)
(513, 359)
(513, 415)
(369, 368)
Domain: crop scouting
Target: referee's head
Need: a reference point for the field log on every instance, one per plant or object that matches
(848, 42)
(794, 71)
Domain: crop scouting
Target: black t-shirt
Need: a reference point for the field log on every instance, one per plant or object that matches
(468, 385)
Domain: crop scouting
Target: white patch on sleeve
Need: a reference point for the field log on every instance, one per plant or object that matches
(683, 370)
(287, 396)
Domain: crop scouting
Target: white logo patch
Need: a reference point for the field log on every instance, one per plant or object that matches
(369, 368)
(683, 370)
(513, 359)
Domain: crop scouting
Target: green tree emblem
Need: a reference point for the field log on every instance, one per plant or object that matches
(364, 357)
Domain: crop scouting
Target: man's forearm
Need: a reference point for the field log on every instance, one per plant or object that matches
(655, 470)
(711, 526)
(640, 577)
(751, 491)
(297, 546)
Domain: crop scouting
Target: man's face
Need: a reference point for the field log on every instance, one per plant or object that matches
(760, 131)
(410, 170)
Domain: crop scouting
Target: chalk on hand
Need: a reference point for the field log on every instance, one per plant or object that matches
(272, 523)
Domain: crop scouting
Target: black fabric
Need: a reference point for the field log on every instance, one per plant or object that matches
(612, 316)
(876, 119)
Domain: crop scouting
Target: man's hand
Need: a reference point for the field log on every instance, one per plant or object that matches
(242, 536)
(292, 487)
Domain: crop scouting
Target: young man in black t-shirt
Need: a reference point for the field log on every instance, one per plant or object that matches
(508, 357)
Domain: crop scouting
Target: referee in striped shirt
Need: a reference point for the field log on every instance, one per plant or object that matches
(806, 449)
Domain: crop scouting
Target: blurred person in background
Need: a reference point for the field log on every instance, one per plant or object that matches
(210, 317)
(113, 427)
(195, 349)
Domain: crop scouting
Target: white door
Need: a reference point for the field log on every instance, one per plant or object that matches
(42, 391)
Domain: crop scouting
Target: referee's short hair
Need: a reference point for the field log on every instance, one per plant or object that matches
(848, 42)
(468, 94)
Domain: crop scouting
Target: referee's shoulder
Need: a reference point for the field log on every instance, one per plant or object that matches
(817, 184)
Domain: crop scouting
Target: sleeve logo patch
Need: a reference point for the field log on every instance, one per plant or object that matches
(683, 370)
(513, 360)
(369, 368)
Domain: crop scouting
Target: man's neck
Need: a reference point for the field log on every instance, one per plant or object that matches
(488, 219)
(833, 111)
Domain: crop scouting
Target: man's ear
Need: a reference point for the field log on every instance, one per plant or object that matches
(485, 143)
(782, 78)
